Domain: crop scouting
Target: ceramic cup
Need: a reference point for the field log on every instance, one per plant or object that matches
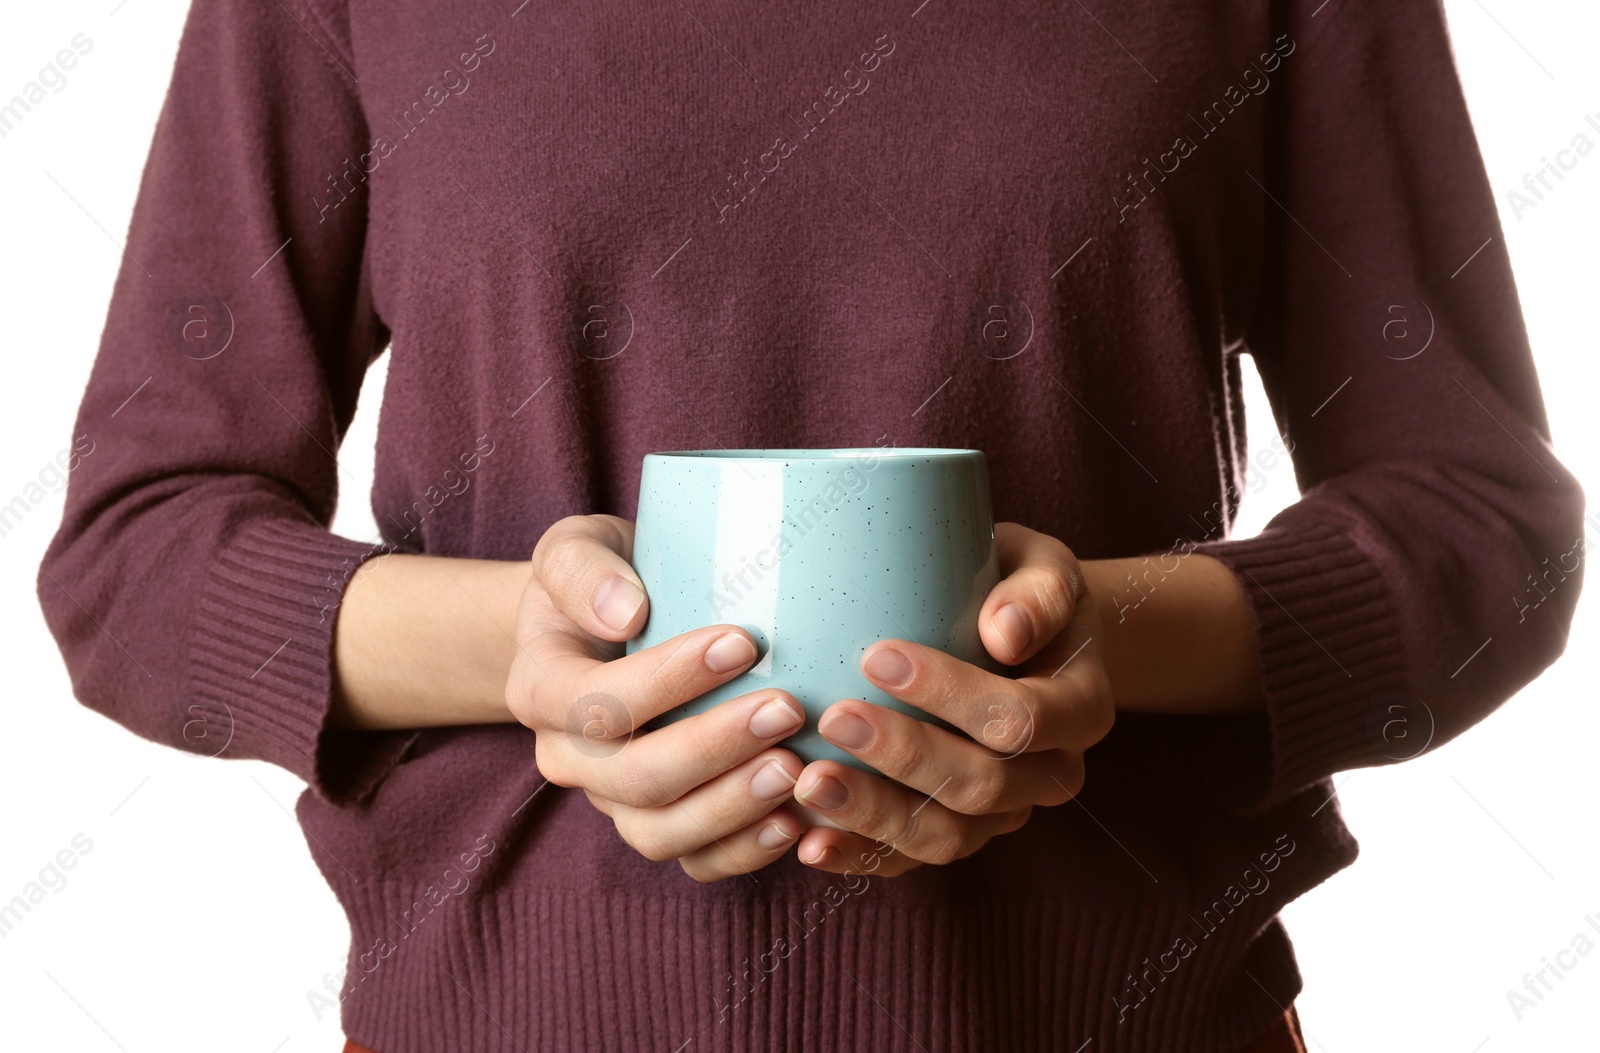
(817, 554)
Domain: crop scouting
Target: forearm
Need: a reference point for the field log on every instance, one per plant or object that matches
(1176, 640)
(425, 641)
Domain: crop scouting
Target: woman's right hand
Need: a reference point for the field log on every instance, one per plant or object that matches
(707, 790)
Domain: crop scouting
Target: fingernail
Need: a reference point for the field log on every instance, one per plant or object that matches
(773, 836)
(771, 782)
(888, 666)
(847, 730)
(729, 652)
(617, 601)
(826, 793)
(1014, 627)
(775, 718)
(819, 856)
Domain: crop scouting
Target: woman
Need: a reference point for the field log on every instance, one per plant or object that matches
(591, 231)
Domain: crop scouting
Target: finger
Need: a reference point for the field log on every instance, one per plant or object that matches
(915, 824)
(844, 852)
(655, 768)
(713, 813)
(612, 698)
(1007, 715)
(965, 776)
(746, 851)
(1036, 597)
(583, 563)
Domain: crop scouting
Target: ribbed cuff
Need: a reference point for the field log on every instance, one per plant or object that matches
(261, 669)
(1332, 660)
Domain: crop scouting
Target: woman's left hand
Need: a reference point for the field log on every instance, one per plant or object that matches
(947, 794)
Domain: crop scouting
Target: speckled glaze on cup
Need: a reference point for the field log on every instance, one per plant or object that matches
(817, 553)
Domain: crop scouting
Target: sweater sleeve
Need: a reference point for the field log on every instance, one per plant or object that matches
(193, 584)
(1431, 566)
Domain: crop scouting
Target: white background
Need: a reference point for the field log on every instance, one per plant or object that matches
(197, 920)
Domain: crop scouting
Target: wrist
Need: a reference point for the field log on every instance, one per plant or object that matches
(426, 641)
(495, 588)
(1178, 634)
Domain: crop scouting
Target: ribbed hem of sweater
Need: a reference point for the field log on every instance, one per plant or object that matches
(1332, 657)
(557, 970)
(261, 675)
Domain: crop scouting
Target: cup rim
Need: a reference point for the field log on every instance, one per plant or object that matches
(819, 454)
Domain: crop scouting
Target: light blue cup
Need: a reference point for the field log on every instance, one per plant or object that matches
(817, 553)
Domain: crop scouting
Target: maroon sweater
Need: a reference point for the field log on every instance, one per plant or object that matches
(587, 231)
